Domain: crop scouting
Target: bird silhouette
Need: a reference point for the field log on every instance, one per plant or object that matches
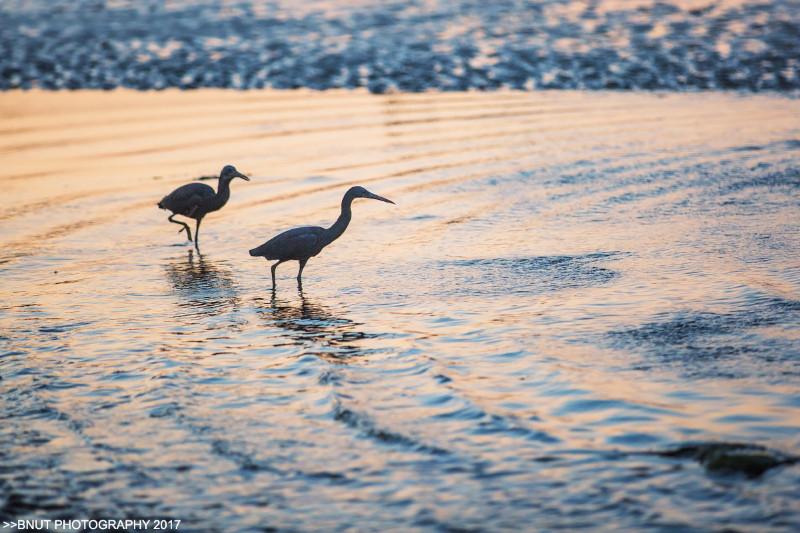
(196, 200)
(300, 244)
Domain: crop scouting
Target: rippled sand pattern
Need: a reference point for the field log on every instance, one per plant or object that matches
(571, 290)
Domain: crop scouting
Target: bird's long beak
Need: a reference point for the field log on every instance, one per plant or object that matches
(381, 198)
(240, 175)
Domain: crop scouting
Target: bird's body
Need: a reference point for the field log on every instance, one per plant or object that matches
(295, 244)
(301, 244)
(196, 200)
(187, 199)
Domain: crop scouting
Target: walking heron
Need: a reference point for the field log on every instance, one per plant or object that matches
(300, 244)
(196, 200)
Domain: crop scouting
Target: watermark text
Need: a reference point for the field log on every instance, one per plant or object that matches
(93, 525)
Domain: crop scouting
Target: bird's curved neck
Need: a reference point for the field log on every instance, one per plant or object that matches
(335, 231)
(223, 193)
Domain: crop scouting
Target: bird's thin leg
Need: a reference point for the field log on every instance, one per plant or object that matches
(184, 224)
(197, 234)
(273, 272)
(300, 272)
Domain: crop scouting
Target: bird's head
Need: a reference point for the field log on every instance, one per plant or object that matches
(229, 172)
(361, 192)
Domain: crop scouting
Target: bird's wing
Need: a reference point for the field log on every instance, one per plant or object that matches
(297, 243)
(185, 198)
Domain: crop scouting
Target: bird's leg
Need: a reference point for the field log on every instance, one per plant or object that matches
(300, 272)
(273, 273)
(197, 234)
(184, 224)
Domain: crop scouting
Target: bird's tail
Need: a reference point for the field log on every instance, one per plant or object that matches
(260, 251)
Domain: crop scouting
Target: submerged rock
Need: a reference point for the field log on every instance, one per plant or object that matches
(750, 460)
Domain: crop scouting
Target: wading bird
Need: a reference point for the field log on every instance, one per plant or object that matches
(196, 200)
(299, 244)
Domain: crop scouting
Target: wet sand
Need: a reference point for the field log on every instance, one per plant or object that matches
(571, 287)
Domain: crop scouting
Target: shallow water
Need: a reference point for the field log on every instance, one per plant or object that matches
(572, 289)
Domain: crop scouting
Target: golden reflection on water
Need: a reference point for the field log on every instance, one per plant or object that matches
(565, 275)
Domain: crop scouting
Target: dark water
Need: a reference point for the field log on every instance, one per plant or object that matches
(414, 45)
(584, 316)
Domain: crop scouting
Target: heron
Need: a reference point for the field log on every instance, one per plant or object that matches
(196, 200)
(300, 244)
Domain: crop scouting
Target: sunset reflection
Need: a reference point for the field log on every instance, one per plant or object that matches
(573, 291)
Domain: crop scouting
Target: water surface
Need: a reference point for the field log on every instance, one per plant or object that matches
(572, 289)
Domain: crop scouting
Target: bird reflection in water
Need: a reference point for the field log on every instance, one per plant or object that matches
(204, 286)
(320, 331)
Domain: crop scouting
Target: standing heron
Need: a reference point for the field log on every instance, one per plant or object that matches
(300, 244)
(196, 200)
